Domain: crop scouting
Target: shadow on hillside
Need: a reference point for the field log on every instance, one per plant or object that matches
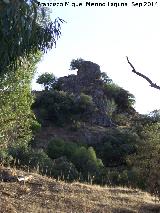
(122, 210)
(145, 208)
(149, 208)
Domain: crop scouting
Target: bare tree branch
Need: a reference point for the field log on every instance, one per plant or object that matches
(143, 76)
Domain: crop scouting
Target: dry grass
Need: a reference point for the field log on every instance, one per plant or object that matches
(46, 195)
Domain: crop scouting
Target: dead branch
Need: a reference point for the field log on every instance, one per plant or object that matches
(143, 76)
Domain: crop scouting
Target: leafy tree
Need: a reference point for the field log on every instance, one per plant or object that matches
(87, 162)
(76, 63)
(47, 80)
(15, 104)
(147, 158)
(24, 29)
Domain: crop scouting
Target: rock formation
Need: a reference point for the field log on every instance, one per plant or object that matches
(88, 81)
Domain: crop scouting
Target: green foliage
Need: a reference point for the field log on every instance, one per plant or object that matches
(140, 122)
(147, 158)
(27, 29)
(34, 159)
(60, 107)
(54, 106)
(123, 176)
(56, 148)
(35, 126)
(38, 160)
(121, 119)
(5, 157)
(47, 80)
(15, 104)
(116, 146)
(83, 107)
(123, 99)
(76, 63)
(65, 170)
(110, 107)
(85, 160)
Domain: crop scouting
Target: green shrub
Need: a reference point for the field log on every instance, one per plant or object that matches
(56, 148)
(76, 125)
(54, 106)
(121, 119)
(63, 169)
(122, 176)
(123, 99)
(116, 146)
(34, 159)
(84, 159)
(38, 160)
(61, 107)
(35, 126)
(5, 157)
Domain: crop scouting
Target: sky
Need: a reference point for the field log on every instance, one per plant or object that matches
(106, 35)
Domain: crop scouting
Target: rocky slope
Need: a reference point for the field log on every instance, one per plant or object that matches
(88, 81)
(88, 135)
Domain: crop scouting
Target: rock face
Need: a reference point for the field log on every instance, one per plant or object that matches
(88, 81)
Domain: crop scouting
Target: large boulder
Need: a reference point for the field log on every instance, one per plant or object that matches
(88, 81)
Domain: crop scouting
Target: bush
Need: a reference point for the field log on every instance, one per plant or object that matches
(38, 160)
(34, 159)
(54, 106)
(35, 126)
(58, 148)
(5, 157)
(123, 176)
(60, 107)
(123, 99)
(116, 146)
(84, 159)
(121, 119)
(65, 170)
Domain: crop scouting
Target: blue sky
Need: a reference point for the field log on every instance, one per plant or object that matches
(106, 35)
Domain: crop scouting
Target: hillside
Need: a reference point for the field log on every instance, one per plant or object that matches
(86, 130)
(45, 195)
(84, 134)
(89, 127)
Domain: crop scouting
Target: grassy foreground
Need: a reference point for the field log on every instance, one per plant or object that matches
(45, 195)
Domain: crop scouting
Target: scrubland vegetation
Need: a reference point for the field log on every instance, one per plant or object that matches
(127, 153)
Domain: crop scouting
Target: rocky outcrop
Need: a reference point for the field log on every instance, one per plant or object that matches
(88, 81)
(84, 135)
